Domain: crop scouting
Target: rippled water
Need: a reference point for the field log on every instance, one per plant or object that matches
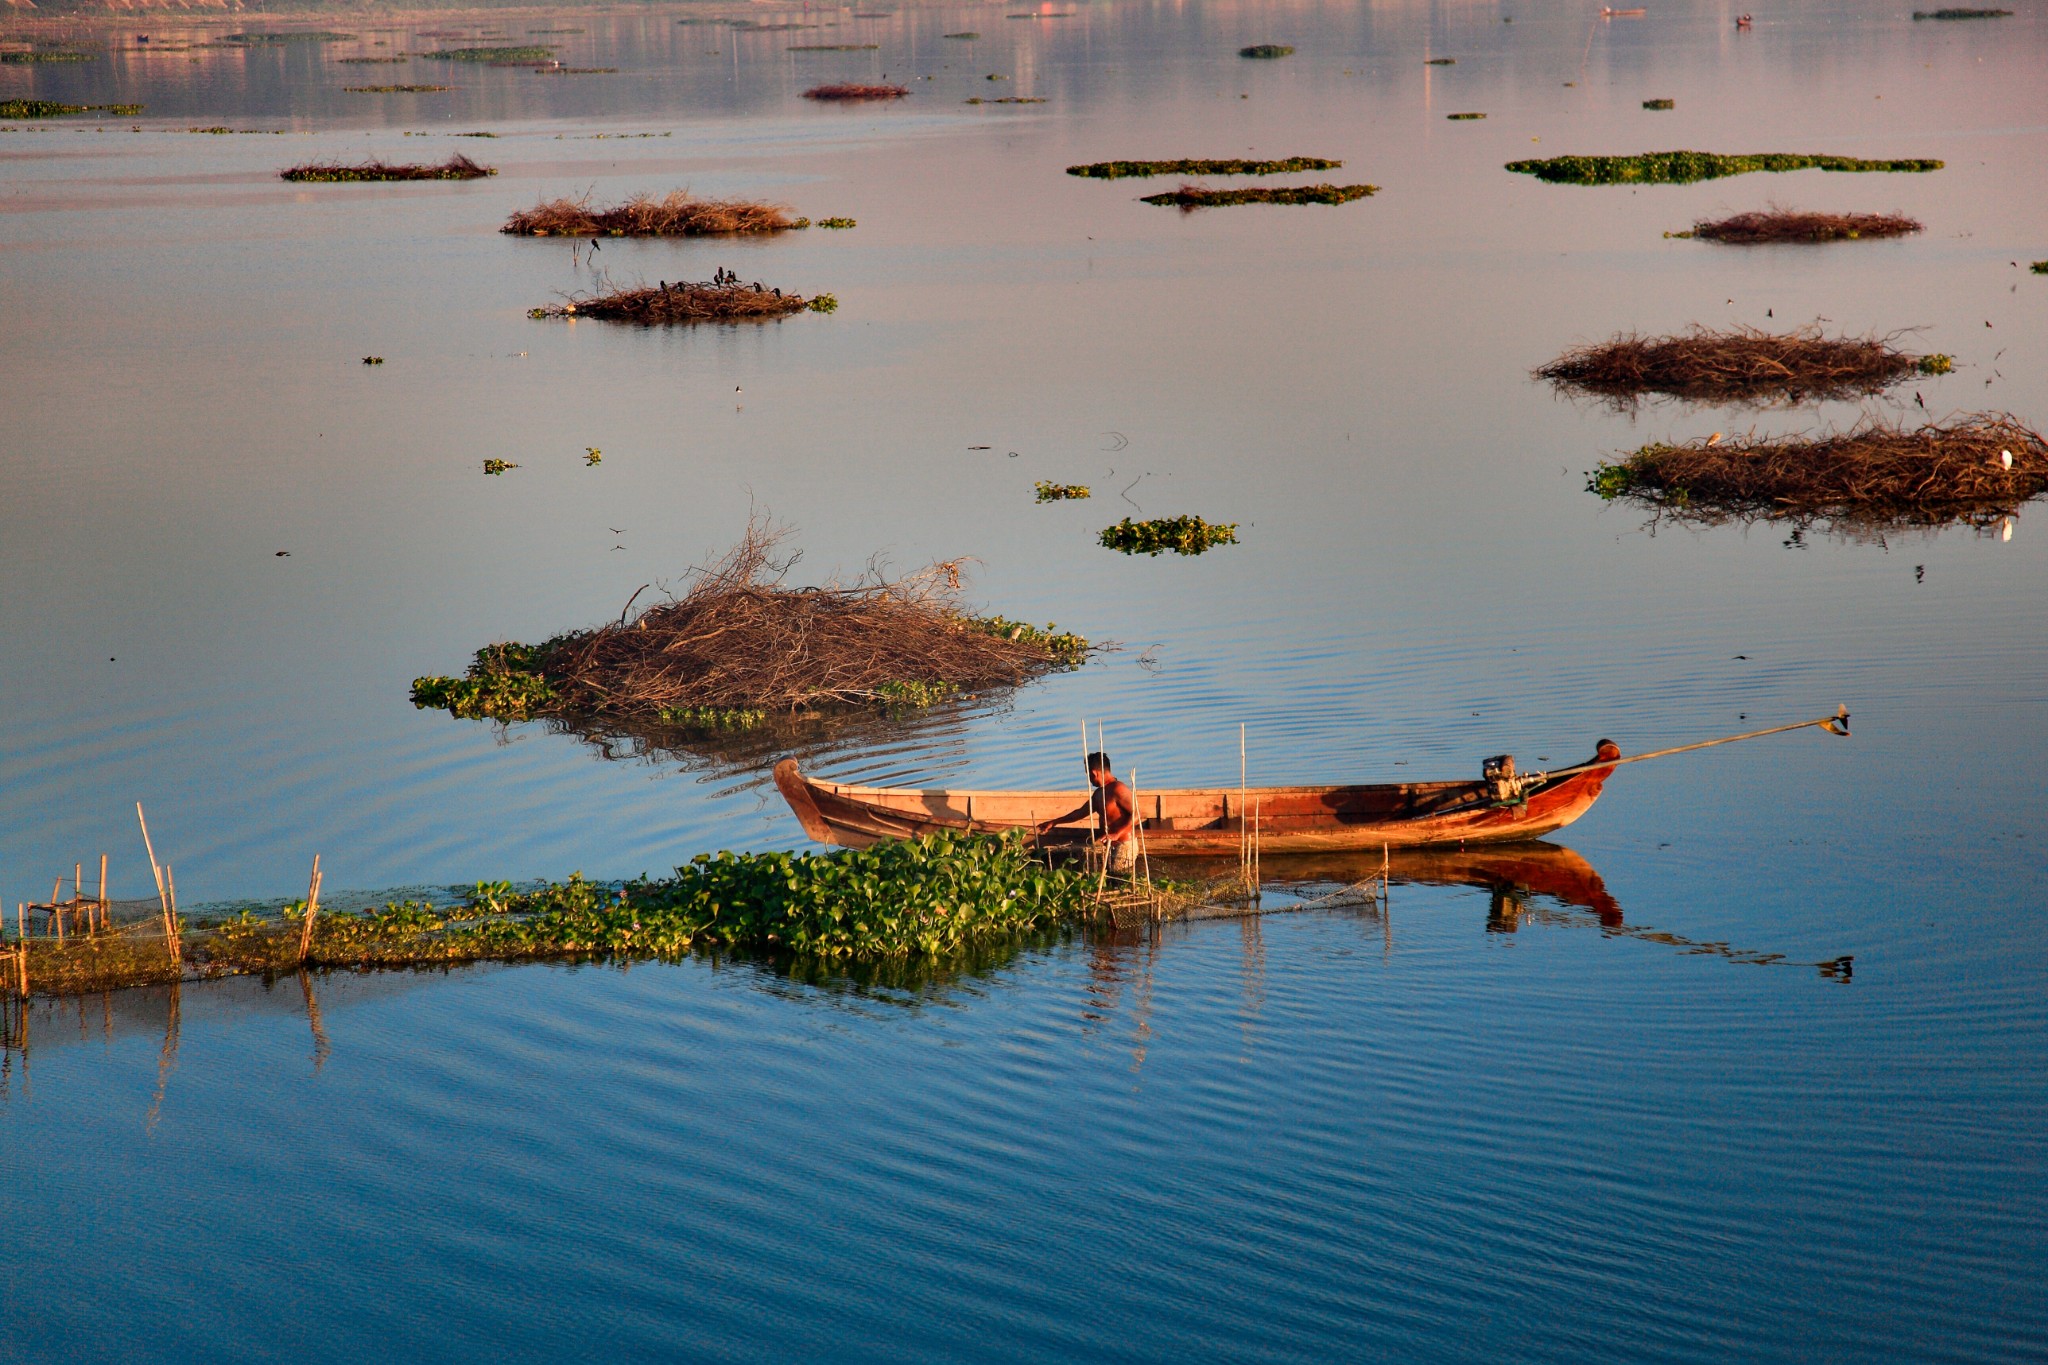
(1325, 1134)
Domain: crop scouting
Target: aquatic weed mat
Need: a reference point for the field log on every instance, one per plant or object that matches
(1119, 170)
(674, 215)
(1685, 168)
(1740, 365)
(1793, 225)
(686, 302)
(1974, 470)
(457, 167)
(740, 645)
(1191, 197)
(926, 899)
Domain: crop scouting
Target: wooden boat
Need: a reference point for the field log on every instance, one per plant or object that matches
(1195, 821)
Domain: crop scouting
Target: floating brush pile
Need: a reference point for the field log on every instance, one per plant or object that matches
(1202, 197)
(1976, 469)
(1119, 170)
(1791, 225)
(740, 642)
(457, 167)
(847, 90)
(678, 301)
(1685, 168)
(1742, 365)
(676, 215)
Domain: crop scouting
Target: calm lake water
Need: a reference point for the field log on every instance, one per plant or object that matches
(1619, 1113)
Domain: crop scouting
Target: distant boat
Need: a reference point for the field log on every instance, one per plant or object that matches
(1216, 821)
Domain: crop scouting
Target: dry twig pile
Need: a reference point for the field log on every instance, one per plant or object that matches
(457, 167)
(1792, 225)
(739, 643)
(1741, 365)
(851, 91)
(1876, 475)
(678, 301)
(643, 215)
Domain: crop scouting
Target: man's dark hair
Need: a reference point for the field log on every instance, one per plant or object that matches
(1098, 761)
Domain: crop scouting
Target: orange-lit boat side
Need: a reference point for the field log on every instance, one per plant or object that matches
(1200, 821)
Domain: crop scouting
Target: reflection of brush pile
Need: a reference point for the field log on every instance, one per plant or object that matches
(1202, 197)
(1790, 225)
(1875, 475)
(739, 642)
(456, 167)
(1118, 170)
(1684, 168)
(850, 91)
(643, 215)
(682, 302)
(1743, 365)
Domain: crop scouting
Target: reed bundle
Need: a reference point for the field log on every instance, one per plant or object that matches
(676, 215)
(457, 167)
(1877, 474)
(1740, 365)
(1791, 225)
(678, 301)
(847, 90)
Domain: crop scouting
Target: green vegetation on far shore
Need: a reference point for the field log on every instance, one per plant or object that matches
(1120, 170)
(1684, 168)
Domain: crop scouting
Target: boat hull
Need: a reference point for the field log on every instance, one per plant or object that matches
(1199, 822)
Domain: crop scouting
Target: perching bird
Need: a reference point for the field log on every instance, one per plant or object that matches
(284, 554)
(2005, 457)
(735, 388)
(1715, 439)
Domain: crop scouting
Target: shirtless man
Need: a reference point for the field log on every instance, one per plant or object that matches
(1108, 807)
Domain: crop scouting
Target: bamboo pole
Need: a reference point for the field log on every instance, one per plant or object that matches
(106, 913)
(156, 872)
(312, 909)
(173, 929)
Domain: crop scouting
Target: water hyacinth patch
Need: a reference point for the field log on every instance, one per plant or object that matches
(1183, 535)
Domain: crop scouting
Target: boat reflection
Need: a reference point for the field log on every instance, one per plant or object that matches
(1528, 883)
